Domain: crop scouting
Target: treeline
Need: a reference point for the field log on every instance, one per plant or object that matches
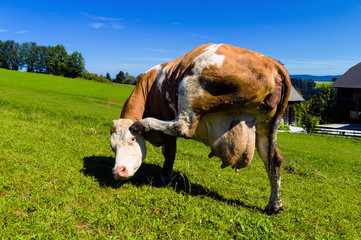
(41, 59)
(307, 87)
(125, 78)
(319, 107)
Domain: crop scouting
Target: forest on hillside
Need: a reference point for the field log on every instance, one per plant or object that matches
(55, 60)
(31, 57)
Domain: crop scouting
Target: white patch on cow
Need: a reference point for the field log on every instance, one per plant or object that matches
(128, 154)
(189, 89)
(157, 67)
(207, 59)
(171, 105)
(161, 76)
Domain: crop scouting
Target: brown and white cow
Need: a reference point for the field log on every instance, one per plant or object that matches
(229, 98)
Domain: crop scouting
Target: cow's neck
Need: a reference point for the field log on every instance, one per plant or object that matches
(135, 105)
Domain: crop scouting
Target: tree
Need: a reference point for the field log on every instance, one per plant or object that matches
(300, 111)
(3, 58)
(74, 65)
(323, 104)
(29, 55)
(42, 60)
(126, 76)
(320, 108)
(94, 77)
(307, 88)
(310, 122)
(131, 80)
(120, 77)
(10, 55)
(107, 76)
(307, 120)
(57, 58)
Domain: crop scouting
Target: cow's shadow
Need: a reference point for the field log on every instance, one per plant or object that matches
(100, 167)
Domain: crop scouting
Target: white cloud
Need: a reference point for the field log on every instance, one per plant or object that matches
(22, 32)
(3, 30)
(101, 18)
(97, 25)
(106, 25)
(104, 22)
(117, 26)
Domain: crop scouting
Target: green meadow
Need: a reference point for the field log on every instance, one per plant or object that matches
(319, 84)
(56, 180)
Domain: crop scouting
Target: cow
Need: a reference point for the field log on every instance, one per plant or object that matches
(226, 97)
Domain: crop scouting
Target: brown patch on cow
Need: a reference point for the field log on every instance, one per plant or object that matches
(279, 160)
(245, 82)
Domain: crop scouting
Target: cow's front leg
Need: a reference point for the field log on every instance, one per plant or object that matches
(169, 150)
(273, 165)
(183, 126)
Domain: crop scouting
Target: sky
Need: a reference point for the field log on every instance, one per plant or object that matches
(315, 37)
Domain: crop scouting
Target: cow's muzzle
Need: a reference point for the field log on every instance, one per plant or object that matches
(121, 173)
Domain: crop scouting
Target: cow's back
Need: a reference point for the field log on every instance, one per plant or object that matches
(224, 78)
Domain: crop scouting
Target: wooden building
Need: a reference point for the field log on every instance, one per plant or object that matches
(349, 92)
(289, 115)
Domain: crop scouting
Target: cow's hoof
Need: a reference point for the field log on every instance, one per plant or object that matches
(273, 209)
(139, 127)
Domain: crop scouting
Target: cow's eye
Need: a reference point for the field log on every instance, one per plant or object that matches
(133, 139)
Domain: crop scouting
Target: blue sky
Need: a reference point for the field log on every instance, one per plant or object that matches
(310, 37)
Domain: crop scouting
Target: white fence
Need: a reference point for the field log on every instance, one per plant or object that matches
(339, 131)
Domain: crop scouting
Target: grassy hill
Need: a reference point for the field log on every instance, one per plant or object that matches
(55, 93)
(56, 180)
(55, 84)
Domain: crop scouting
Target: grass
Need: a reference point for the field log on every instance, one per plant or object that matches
(56, 181)
(319, 84)
(67, 86)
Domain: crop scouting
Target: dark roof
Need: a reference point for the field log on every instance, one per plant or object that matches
(295, 96)
(350, 79)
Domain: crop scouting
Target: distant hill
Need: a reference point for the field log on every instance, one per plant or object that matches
(327, 78)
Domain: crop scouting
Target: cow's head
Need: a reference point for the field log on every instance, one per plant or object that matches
(129, 149)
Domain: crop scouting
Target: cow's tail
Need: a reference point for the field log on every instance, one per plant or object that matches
(281, 106)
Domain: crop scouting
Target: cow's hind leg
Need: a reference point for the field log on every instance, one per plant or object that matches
(273, 160)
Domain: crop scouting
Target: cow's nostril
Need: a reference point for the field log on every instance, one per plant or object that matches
(120, 172)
